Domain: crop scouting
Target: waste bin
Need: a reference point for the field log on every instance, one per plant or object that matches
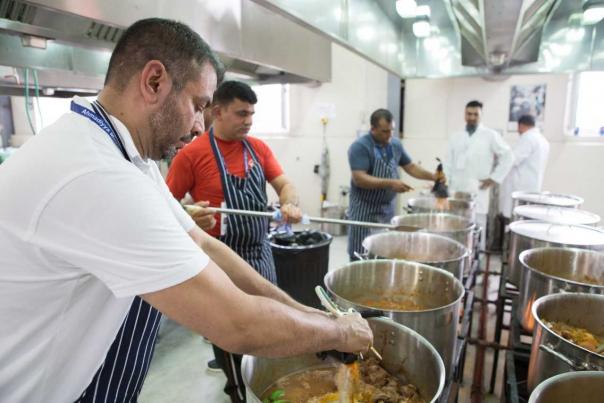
(301, 262)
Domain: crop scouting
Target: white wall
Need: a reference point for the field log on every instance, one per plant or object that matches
(434, 108)
(358, 87)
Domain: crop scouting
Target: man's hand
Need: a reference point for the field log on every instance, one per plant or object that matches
(204, 217)
(290, 213)
(400, 186)
(357, 335)
(487, 183)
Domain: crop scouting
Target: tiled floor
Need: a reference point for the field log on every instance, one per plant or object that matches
(178, 370)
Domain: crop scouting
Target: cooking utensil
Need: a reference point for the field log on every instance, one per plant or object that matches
(520, 198)
(552, 354)
(336, 311)
(404, 351)
(584, 387)
(437, 292)
(455, 206)
(554, 270)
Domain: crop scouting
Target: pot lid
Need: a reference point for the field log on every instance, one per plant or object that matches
(558, 215)
(578, 235)
(548, 198)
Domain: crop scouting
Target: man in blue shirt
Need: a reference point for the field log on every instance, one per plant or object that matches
(374, 160)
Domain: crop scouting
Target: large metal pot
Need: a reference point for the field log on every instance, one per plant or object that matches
(520, 198)
(530, 234)
(580, 387)
(429, 204)
(436, 290)
(557, 215)
(553, 270)
(552, 354)
(402, 349)
(451, 226)
(421, 247)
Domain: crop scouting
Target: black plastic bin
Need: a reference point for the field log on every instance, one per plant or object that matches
(300, 268)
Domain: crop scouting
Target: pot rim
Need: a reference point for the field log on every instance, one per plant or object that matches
(519, 211)
(459, 246)
(456, 283)
(540, 238)
(435, 354)
(469, 227)
(562, 377)
(538, 272)
(539, 301)
(521, 194)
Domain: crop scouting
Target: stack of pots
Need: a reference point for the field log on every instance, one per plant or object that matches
(529, 234)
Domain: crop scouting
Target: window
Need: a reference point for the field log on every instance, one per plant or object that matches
(272, 109)
(589, 97)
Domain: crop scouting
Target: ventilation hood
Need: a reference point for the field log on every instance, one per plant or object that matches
(69, 42)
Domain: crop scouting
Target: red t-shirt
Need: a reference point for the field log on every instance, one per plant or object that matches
(195, 170)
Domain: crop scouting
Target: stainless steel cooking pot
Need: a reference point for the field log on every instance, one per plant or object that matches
(552, 354)
(429, 204)
(438, 293)
(529, 234)
(520, 198)
(402, 349)
(580, 387)
(553, 270)
(431, 249)
(554, 214)
(451, 226)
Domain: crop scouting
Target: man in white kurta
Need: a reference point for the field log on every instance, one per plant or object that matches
(477, 158)
(530, 158)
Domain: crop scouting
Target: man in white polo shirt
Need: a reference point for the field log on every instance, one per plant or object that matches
(87, 226)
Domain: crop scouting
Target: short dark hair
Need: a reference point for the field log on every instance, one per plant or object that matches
(527, 120)
(228, 91)
(378, 115)
(474, 104)
(180, 49)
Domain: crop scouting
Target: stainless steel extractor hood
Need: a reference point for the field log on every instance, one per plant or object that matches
(69, 42)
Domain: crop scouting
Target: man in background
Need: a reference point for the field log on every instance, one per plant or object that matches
(374, 160)
(227, 167)
(530, 159)
(470, 163)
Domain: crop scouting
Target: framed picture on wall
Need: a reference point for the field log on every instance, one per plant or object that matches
(527, 99)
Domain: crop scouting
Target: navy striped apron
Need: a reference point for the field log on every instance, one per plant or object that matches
(247, 236)
(372, 205)
(120, 378)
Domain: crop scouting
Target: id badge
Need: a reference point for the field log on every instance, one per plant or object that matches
(223, 220)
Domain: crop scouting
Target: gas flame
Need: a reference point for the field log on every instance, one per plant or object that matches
(442, 203)
(527, 315)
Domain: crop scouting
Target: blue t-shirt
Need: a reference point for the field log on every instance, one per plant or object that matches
(361, 154)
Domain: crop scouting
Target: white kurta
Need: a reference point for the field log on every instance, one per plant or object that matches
(530, 158)
(471, 159)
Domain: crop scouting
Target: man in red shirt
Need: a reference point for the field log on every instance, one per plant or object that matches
(227, 167)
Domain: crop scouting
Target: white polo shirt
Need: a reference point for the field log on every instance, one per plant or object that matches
(82, 231)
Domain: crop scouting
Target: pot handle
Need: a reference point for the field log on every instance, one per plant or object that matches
(548, 348)
(361, 257)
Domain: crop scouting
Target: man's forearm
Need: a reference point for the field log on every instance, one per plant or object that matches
(366, 181)
(244, 276)
(288, 195)
(418, 172)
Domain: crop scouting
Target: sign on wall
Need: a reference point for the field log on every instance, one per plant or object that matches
(527, 100)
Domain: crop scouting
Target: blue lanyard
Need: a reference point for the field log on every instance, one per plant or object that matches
(246, 165)
(100, 118)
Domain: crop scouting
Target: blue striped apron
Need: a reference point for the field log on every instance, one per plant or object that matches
(120, 378)
(247, 236)
(372, 205)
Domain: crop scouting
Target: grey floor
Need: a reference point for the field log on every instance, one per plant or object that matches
(178, 370)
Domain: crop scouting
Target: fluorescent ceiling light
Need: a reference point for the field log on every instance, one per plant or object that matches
(421, 27)
(406, 8)
(423, 11)
(593, 11)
